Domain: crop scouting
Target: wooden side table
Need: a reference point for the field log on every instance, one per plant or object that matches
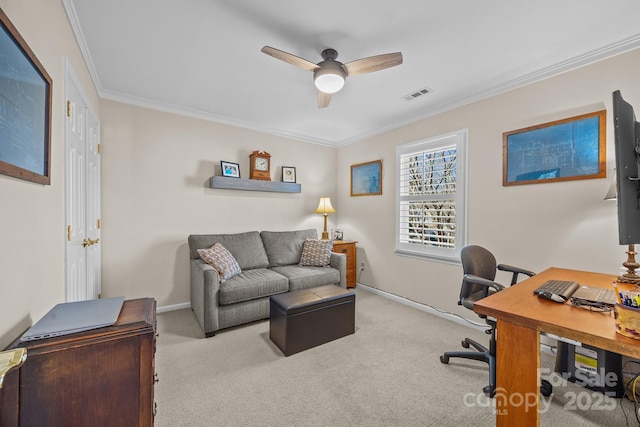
(349, 249)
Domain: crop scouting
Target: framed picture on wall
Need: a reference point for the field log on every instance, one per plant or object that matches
(562, 150)
(230, 169)
(25, 109)
(366, 178)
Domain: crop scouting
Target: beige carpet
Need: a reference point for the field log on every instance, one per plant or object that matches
(386, 374)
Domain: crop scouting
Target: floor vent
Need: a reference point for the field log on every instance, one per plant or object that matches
(417, 94)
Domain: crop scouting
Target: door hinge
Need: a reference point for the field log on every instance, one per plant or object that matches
(68, 108)
(68, 233)
(99, 148)
(99, 223)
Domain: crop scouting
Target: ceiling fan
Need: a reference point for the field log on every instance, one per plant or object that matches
(329, 74)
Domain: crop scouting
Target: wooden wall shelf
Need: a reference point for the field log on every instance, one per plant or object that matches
(227, 183)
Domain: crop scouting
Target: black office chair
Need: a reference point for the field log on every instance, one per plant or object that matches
(479, 268)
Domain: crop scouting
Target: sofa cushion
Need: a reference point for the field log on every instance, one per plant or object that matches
(246, 248)
(252, 284)
(221, 259)
(316, 253)
(308, 277)
(285, 247)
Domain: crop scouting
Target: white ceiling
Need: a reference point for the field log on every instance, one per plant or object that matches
(202, 57)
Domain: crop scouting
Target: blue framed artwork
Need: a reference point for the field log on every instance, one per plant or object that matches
(562, 150)
(366, 179)
(25, 109)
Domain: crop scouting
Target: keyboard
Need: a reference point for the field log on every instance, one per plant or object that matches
(557, 290)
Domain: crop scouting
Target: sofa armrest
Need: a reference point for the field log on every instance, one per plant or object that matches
(205, 284)
(339, 262)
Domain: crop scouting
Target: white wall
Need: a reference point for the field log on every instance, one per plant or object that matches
(564, 224)
(32, 229)
(156, 168)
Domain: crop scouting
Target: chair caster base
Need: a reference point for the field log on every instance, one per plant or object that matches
(489, 391)
(444, 359)
(546, 389)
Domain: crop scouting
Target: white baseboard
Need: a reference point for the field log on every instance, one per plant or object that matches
(426, 308)
(173, 307)
(549, 346)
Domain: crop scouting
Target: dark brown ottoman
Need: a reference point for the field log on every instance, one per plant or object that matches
(307, 318)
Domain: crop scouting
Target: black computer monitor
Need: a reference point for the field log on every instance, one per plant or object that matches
(627, 145)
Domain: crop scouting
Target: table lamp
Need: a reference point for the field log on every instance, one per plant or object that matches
(325, 208)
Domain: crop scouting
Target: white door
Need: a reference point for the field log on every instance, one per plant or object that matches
(92, 172)
(82, 196)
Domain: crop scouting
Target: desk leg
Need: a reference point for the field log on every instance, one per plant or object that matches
(517, 377)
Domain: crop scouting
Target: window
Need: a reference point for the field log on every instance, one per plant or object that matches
(431, 206)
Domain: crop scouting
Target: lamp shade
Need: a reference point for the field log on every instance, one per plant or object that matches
(324, 207)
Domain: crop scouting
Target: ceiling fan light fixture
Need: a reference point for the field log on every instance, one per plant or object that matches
(329, 74)
(329, 80)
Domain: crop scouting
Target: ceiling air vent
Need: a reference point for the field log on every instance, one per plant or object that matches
(417, 94)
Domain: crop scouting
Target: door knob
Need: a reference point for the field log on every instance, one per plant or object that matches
(89, 242)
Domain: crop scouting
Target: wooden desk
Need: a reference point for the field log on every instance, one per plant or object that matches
(521, 316)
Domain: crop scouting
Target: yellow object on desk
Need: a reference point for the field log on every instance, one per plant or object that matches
(627, 320)
(11, 359)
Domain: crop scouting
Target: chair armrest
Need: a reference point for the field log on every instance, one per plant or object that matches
(515, 271)
(470, 278)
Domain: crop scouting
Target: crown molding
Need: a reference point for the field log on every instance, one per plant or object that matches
(591, 57)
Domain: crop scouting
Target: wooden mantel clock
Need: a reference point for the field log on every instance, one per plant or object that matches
(260, 165)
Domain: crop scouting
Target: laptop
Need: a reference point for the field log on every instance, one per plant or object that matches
(587, 295)
(79, 316)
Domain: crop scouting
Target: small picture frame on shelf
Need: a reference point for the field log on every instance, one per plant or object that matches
(230, 169)
(288, 174)
(336, 234)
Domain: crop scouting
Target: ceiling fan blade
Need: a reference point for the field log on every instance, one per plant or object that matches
(323, 99)
(291, 59)
(373, 63)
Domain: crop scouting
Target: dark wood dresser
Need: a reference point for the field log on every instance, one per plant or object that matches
(102, 377)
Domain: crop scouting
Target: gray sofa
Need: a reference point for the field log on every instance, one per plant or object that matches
(269, 265)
